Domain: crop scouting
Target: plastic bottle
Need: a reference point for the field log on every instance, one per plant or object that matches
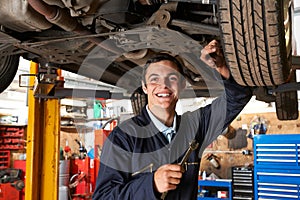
(204, 175)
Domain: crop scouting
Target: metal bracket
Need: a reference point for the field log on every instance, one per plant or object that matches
(287, 87)
(27, 75)
(49, 92)
(296, 62)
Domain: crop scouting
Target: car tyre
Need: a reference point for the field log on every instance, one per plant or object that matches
(138, 100)
(257, 40)
(287, 105)
(8, 69)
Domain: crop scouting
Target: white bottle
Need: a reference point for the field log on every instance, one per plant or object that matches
(204, 175)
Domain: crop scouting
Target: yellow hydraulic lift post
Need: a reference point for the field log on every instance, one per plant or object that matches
(42, 156)
(50, 153)
(33, 153)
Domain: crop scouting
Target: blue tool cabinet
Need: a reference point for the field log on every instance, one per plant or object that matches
(277, 166)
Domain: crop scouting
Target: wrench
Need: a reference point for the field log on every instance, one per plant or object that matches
(193, 146)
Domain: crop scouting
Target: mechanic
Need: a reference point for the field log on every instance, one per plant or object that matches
(139, 162)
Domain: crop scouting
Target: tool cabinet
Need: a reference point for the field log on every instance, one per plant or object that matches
(242, 183)
(277, 166)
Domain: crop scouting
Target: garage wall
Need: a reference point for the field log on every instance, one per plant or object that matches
(228, 157)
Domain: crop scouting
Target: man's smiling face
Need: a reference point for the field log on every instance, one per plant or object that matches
(163, 85)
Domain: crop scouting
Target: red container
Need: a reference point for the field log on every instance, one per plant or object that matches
(100, 137)
(8, 192)
(84, 187)
(80, 165)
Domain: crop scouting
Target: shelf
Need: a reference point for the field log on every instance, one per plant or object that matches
(12, 137)
(219, 183)
(76, 128)
(13, 125)
(5, 159)
(212, 198)
(215, 183)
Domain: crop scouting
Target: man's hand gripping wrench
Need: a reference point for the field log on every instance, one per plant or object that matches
(193, 146)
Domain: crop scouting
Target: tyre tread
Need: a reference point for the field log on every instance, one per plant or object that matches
(252, 42)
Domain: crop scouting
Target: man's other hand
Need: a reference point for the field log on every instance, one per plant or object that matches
(213, 56)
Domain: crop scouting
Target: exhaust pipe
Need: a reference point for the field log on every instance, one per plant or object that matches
(61, 18)
(55, 15)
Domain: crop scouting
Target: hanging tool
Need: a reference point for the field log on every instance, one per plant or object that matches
(82, 150)
(193, 146)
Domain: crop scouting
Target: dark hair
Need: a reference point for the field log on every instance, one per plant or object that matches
(160, 57)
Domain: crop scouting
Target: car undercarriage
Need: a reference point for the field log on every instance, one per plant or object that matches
(109, 41)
